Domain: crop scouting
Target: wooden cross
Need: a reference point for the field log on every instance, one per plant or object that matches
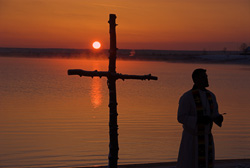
(112, 77)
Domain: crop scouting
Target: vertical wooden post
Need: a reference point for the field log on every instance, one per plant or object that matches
(112, 51)
(113, 127)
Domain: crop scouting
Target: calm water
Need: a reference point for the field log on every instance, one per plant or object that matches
(50, 119)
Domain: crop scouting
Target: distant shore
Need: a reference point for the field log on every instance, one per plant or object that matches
(220, 57)
(228, 163)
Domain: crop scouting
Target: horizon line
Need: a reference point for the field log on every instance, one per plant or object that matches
(117, 49)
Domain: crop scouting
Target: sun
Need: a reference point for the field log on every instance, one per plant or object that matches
(96, 45)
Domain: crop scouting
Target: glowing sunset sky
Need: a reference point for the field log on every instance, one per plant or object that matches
(142, 24)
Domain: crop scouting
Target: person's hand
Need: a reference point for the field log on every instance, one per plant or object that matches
(204, 120)
(218, 120)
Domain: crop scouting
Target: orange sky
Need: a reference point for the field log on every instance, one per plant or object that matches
(142, 24)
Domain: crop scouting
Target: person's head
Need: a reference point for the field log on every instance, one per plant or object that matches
(199, 77)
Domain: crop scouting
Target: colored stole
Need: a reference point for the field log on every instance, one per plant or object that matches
(201, 132)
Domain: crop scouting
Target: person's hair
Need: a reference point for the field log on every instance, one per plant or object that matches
(197, 72)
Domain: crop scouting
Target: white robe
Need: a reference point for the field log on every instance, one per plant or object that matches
(187, 115)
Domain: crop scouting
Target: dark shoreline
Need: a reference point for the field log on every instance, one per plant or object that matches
(227, 163)
(208, 57)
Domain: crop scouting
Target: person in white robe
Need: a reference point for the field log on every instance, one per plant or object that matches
(187, 115)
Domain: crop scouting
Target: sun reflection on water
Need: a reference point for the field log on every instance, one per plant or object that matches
(95, 93)
(96, 89)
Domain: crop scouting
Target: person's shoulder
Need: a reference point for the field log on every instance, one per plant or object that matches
(186, 97)
(211, 92)
(187, 94)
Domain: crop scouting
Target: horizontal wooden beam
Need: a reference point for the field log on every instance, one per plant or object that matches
(81, 73)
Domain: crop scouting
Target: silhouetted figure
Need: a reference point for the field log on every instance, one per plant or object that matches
(197, 111)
